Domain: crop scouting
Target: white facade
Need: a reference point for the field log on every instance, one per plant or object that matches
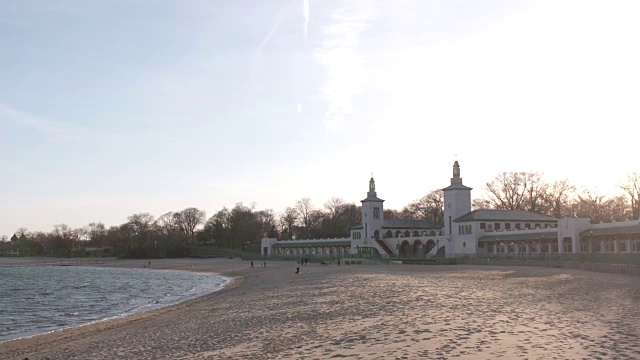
(466, 233)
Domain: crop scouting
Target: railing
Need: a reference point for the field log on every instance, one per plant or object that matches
(384, 246)
(601, 258)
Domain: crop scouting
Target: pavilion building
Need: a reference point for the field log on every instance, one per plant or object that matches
(465, 233)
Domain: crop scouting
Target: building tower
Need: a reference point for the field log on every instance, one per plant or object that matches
(372, 213)
(457, 201)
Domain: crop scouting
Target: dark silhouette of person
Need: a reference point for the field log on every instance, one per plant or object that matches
(252, 264)
(298, 270)
(264, 263)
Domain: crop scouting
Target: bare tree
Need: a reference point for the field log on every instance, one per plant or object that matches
(96, 232)
(188, 220)
(557, 199)
(597, 208)
(429, 207)
(288, 220)
(267, 219)
(481, 203)
(141, 225)
(61, 239)
(166, 223)
(335, 211)
(392, 214)
(517, 191)
(304, 207)
(632, 188)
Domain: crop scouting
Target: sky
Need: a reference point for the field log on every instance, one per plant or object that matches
(115, 107)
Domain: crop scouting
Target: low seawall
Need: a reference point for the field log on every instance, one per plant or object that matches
(631, 270)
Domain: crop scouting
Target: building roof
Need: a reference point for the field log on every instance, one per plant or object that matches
(457, 186)
(409, 224)
(311, 243)
(622, 230)
(519, 236)
(503, 215)
(372, 198)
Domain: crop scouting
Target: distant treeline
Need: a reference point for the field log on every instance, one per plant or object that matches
(242, 227)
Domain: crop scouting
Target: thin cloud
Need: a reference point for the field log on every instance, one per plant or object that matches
(265, 40)
(345, 66)
(305, 13)
(10, 114)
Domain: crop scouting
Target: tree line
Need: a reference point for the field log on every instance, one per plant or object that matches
(242, 227)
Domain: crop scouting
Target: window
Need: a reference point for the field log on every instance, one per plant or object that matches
(507, 226)
(464, 229)
(584, 248)
(357, 235)
(527, 226)
(496, 226)
(483, 226)
(517, 226)
(376, 213)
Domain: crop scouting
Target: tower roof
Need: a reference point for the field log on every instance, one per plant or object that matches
(371, 194)
(456, 180)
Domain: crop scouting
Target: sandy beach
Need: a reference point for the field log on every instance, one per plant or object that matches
(368, 312)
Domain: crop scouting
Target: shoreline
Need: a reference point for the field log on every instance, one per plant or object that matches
(126, 264)
(132, 313)
(367, 311)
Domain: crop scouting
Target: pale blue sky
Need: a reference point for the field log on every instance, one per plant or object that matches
(108, 108)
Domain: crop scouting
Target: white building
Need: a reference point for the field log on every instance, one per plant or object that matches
(465, 232)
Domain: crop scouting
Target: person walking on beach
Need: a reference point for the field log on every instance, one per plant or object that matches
(264, 263)
(252, 264)
(149, 263)
(298, 269)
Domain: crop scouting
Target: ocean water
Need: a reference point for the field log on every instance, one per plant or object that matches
(37, 300)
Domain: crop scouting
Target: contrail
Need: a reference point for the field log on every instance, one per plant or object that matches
(274, 28)
(305, 12)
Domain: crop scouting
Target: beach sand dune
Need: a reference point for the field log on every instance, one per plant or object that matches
(369, 312)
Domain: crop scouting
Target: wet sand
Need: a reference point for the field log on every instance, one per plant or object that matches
(369, 312)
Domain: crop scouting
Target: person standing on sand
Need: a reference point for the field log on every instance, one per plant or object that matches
(252, 264)
(264, 263)
(149, 263)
